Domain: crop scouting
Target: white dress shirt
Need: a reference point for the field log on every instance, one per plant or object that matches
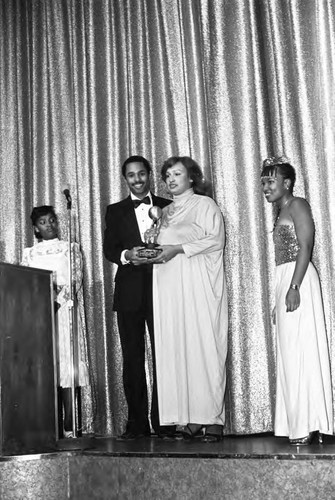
(143, 220)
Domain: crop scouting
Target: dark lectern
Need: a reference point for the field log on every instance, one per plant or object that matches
(28, 422)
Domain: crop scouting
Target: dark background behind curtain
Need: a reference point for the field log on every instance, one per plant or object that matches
(86, 83)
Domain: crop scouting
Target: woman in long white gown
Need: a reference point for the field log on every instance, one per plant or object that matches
(304, 392)
(190, 306)
(51, 253)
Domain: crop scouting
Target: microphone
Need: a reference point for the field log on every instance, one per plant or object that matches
(66, 192)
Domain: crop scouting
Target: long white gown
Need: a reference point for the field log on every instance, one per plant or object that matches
(304, 391)
(52, 255)
(190, 314)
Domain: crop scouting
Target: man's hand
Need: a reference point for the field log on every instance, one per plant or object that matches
(133, 258)
(168, 252)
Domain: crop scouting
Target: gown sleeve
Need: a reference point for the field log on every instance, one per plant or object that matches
(213, 238)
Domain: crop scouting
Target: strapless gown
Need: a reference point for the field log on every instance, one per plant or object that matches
(304, 392)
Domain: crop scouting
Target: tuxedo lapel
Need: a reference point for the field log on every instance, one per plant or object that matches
(129, 220)
(159, 202)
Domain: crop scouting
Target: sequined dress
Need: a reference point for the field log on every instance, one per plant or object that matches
(52, 255)
(304, 392)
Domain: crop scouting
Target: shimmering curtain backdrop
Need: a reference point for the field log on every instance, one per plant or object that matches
(86, 83)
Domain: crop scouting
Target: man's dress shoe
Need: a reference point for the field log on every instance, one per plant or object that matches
(130, 436)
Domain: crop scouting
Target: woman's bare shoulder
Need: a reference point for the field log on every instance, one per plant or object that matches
(298, 202)
(299, 208)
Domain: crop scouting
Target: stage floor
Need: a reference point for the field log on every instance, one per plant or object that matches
(258, 446)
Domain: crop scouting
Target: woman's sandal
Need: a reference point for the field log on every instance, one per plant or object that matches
(188, 434)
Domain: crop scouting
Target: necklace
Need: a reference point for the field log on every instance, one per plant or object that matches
(278, 214)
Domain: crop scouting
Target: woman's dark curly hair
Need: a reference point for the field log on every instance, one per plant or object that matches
(200, 185)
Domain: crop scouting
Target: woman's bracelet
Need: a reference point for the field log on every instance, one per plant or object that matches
(294, 286)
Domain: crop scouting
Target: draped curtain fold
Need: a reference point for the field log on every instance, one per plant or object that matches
(86, 83)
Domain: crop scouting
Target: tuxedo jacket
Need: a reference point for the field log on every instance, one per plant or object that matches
(121, 233)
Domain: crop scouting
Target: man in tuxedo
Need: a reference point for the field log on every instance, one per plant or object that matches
(126, 222)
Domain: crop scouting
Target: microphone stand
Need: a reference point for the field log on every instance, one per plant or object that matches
(72, 322)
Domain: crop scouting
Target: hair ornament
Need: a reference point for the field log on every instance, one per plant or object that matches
(275, 160)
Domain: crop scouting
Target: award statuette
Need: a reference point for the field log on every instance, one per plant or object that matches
(150, 236)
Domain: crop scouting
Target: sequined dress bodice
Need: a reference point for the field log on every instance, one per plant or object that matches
(286, 244)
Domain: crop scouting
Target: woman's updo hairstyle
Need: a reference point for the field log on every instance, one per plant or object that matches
(199, 184)
(281, 165)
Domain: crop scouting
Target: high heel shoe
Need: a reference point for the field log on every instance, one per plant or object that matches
(190, 432)
(304, 441)
(67, 434)
(307, 440)
(211, 438)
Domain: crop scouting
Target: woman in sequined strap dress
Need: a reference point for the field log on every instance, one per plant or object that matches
(51, 253)
(303, 384)
(190, 306)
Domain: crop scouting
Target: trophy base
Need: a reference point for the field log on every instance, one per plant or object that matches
(149, 253)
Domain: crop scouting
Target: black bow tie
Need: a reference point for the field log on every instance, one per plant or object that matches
(145, 200)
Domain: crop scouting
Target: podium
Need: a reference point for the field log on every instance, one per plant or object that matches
(28, 381)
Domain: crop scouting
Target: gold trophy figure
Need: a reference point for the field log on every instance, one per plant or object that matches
(150, 236)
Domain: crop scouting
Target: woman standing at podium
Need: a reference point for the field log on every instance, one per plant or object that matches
(51, 253)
